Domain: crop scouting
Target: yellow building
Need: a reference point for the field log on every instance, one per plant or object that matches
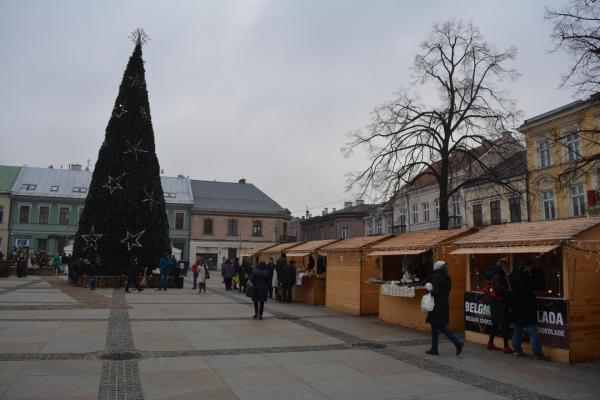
(8, 175)
(563, 160)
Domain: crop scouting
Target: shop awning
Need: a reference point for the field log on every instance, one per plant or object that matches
(506, 250)
(298, 254)
(403, 252)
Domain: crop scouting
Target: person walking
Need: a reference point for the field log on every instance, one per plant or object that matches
(289, 280)
(164, 265)
(271, 272)
(92, 269)
(236, 273)
(195, 272)
(524, 306)
(244, 276)
(260, 281)
(132, 274)
(438, 318)
(56, 262)
(64, 261)
(280, 278)
(499, 300)
(228, 272)
(202, 276)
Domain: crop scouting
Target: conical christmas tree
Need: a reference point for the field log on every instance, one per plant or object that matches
(124, 211)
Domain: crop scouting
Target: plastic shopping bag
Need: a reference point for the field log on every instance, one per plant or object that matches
(427, 302)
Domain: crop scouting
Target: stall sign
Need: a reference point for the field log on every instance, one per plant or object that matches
(552, 316)
(21, 243)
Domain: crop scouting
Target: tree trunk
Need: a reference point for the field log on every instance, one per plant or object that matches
(443, 198)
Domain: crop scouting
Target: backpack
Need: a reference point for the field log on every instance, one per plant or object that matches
(490, 291)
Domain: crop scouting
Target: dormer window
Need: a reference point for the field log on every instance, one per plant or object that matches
(78, 189)
(54, 188)
(28, 186)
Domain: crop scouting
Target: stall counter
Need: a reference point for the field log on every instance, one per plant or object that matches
(402, 310)
(311, 290)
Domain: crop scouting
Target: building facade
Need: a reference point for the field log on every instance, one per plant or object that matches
(380, 221)
(563, 158)
(493, 203)
(338, 224)
(230, 219)
(8, 175)
(48, 202)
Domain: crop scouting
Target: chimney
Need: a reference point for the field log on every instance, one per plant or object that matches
(360, 202)
(333, 210)
(243, 180)
(325, 211)
(307, 213)
(347, 204)
(75, 167)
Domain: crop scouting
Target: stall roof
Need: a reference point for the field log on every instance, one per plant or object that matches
(529, 232)
(251, 252)
(297, 253)
(419, 240)
(312, 246)
(505, 249)
(280, 247)
(355, 243)
(403, 252)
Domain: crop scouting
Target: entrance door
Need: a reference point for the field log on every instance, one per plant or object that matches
(232, 253)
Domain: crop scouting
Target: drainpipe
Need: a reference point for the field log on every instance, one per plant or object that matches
(528, 195)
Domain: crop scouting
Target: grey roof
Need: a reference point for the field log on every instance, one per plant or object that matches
(51, 182)
(215, 196)
(179, 187)
(68, 184)
(361, 211)
(553, 112)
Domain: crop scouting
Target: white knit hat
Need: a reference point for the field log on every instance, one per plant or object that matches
(440, 265)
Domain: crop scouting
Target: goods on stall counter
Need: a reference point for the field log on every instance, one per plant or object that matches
(396, 290)
(299, 277)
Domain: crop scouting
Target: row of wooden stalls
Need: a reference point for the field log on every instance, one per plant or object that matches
(385, 276)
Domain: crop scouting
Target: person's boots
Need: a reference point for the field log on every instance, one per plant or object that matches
(507, 349)
(492, 346)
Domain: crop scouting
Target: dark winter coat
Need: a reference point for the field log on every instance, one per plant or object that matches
(524, 304)
(260, 280)
(279, 271)
(500, 308)
(228, 270)
(441, 282)
(289, 275)
(270, 271)
(132, 268)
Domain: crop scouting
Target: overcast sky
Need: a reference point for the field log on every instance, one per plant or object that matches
(266, 90)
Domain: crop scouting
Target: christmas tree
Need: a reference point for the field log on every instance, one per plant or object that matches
(124, 212)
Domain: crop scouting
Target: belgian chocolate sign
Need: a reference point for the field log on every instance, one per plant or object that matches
(551, 316)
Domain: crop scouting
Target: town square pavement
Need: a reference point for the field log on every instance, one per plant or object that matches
(61, 342)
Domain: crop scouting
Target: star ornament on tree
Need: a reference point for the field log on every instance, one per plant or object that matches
(133, 240)
(139, 36)
(119, 110)
(114, 183)
(150, 199)
(91, 239)
(135, 149)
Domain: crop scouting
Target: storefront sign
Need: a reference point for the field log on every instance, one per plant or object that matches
(551, 314)
(21, 243)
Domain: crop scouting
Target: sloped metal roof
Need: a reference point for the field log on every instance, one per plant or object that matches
(61, 183)
(215, 196)
(8, 174)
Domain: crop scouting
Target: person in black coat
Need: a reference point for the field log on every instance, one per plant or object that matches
(132, 274)
(438, 318)
(499, 307)
(289, 280)
(271, 271)
(524, 306)
(260, 281)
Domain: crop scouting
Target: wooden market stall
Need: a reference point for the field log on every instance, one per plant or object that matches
(406, 263)
(348, 272)
(566, 256)
(251, 255)
(310, 285)
(275, 251)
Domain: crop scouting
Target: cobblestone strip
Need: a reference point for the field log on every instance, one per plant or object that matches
(120, 379)
(17, 287)
(251, 350)
(45, 356)
(490, 385)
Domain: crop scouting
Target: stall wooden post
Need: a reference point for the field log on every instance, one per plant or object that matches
(348, 272)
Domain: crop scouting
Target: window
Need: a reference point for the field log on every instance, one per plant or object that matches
(495, 212)
(44, 215)
(548, 204)
(577, 201)
(1, 214)
(378, 226)
(232, 228)
(573, 147)
(78, 189)
(455, 206)
(345, 232)
(42, 244)
(370, 227)
(79, 211)
(208, 226)
(437, 209)
(63, 215)
(54, 188)
(544, 158)
(425, 212)
(514, 204)
(402, 223)
(24, 214)
(415, 213)
(28, 186)
(390, 224)
(179, 219)
(477, 215)
(257, 228)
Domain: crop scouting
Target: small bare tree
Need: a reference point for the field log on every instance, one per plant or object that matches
(408, 138)
(577, 31)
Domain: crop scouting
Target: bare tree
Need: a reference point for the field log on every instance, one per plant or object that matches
(577, 31)
(408, 138)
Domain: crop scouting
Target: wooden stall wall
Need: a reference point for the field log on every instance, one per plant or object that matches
(582, 286)
(343, 281)
(369, 293)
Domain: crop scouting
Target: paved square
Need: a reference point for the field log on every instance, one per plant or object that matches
(62, 342)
